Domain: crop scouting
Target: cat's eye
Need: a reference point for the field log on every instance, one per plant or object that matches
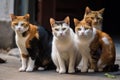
(98, 18)
(56, 29)
(15, 23)
(92, 17)
(86, 28)
(63, 29)
(78, 28)
(22, 24)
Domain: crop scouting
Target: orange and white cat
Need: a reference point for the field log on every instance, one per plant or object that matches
(64, 54)
(95, 16)
(96, 47)
(34, 43)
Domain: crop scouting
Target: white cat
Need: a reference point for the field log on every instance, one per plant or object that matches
(64, 53)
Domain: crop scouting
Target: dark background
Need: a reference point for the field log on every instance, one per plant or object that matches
(42, 10)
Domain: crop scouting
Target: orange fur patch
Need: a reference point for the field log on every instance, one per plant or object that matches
(24, 56)
(108, 54)
(32, 33)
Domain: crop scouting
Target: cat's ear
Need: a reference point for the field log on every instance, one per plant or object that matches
(12, 17)
(52, 21)
(67, 20)
(87, 10)
(76, 22)
(101, 11)
(27, 16)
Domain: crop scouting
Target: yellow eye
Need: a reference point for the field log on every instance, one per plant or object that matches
(78, 28)
(25, 24)
(15, 23)
(86, 28)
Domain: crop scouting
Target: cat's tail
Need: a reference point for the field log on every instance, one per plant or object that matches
(111, 68)
(2, 61)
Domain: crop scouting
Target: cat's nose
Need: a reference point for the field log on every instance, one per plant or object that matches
(82, 33)
(18, 29)
(95, 23)
(61, 34)
(95, 20)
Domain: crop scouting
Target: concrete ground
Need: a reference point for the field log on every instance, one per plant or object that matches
(9, 71)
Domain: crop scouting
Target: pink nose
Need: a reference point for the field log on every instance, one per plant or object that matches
(19, 29)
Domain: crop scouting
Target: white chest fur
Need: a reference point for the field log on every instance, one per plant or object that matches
(64, 45)
(84, 48)
(20, 41)
(84, 45)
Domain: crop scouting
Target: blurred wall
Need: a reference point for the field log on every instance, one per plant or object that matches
(6, 33)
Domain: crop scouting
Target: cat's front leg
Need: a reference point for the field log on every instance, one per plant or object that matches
(71, 68)
(30, 65)
(93, 66)
(55, 61)
(100, 65)
(62, 69)
(61, 65)
(57, 66)
(24, 62)
(85, 64)
(54, 56)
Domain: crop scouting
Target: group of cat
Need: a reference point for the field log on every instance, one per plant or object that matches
(63, 49)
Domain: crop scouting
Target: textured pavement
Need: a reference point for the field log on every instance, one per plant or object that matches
(9, 71)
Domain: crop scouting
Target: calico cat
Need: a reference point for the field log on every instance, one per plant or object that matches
(64, 53)
(95, 16)
(34, 43)
(96, 47)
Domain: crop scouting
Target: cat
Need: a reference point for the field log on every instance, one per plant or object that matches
(96, 47)
(64, 54)
(34, 43)
(95, 16)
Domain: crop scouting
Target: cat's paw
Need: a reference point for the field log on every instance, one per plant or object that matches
(61, 71)
(29, 69)
(21, 69)
(57, 70)
(83, 69)
(71, 71)
(91, 70)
